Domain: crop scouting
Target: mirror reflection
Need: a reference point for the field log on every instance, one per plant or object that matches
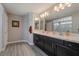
(41, 24)
(65, 19)
(37, 24)
(60, 25)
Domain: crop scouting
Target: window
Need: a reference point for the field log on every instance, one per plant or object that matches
(63, 24)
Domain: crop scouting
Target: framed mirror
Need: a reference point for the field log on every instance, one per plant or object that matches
(65, 20)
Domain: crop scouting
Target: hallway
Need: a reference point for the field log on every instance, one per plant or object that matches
(22, 49)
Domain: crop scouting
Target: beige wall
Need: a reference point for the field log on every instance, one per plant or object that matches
(14, 33)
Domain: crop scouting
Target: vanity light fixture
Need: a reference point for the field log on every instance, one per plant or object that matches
(61, 6)
(44, 14)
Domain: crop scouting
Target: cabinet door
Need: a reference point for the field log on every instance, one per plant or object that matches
(36, 39)
(49, 46)
(72, 45)
(65, 51)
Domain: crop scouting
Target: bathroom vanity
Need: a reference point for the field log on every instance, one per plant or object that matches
(57, 45)
(57, 33)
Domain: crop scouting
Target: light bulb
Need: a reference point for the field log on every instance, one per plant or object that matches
(42, 15)
(36, 18)
(56, 8)
(61, 6)
(46, 13)
(69, 5)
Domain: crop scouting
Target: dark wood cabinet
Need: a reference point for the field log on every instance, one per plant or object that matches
(56, 47)
(65, 51)
(44, 43)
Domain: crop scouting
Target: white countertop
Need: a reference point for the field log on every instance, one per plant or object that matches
(72, 37)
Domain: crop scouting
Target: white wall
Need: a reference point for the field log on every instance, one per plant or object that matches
(1, 11)
(3, 28)
(14, 32)
(28, 21)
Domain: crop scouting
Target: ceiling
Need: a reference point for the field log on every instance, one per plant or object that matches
(23, 8)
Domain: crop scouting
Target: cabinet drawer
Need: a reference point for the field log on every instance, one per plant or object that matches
(58, 41)
(65, 51)
(72, 45)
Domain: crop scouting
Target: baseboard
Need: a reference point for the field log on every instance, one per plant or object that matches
(31, 43)
(20, 41)
(16, 41)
